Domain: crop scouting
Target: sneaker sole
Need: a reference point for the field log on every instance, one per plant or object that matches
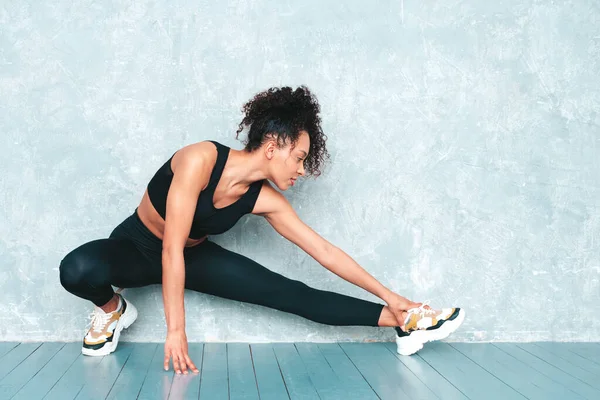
(409, 345)
(125, 322)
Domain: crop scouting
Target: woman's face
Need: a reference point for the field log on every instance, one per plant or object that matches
(287, 163)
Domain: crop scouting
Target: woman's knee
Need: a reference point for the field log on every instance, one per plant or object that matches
(80, 267)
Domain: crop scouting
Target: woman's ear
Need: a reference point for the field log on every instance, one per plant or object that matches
(270, 148)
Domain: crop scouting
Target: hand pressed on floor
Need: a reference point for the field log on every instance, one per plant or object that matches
(176, 348)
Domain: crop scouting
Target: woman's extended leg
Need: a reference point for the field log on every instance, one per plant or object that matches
(214, 270)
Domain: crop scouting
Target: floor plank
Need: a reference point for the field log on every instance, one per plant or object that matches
(214, 380)
(438, 384)
(242, 381)
(22, 373)
(129, 382)
(590, 351)
(6, 347)
(398, 372)
(295, 376)
(467, 376)
(565, 364)
(16, 356)
(187, 387)
(325, 381)
(348, 375)
(71, 383)
(369, 367)
(157, 383)
(590, 365)
(40, 383)
(514, 373)
(325, 371)
(103, 377)
(268, 376)
(549, 370)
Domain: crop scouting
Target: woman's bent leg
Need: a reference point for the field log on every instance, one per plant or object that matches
(89, 270)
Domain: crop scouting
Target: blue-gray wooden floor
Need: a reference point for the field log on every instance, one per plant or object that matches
(305, 371)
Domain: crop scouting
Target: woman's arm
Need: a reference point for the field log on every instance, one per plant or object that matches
(191, 173)
(280, 214)
(189, 178)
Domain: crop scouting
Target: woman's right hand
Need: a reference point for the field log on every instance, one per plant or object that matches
(176, 347)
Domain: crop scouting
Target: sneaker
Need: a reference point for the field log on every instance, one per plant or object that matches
(103, 336)
(425, 325)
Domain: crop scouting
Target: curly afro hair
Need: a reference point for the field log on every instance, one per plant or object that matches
(282, 113)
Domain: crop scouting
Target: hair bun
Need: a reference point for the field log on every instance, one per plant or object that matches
(285, 112)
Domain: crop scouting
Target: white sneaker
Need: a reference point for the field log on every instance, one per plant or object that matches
(103, 336)
(425, 325)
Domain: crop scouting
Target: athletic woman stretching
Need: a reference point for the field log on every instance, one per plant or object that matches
(204, 189)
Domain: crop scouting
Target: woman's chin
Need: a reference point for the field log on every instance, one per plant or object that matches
(282, 187)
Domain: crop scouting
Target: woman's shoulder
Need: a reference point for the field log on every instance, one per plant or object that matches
(196, 154)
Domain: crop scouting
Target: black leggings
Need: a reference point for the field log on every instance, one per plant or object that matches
(132, 257)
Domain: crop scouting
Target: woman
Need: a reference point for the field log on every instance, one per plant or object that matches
(202, 190)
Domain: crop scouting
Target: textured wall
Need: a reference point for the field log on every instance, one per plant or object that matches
(464, 139)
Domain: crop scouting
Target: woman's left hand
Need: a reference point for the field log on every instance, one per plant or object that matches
(398, 304)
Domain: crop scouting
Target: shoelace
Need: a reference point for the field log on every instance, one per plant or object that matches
(99, 319)
(421, 310)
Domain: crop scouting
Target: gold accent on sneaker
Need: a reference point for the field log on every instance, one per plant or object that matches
(424, 318)
(103, 325)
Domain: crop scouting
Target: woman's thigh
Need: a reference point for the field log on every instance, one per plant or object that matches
(89, 270)
(110, 261)
(215, 270)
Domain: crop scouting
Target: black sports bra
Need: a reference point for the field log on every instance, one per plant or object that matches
(208, 220)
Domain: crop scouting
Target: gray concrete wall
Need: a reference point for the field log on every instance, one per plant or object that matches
(464, 139)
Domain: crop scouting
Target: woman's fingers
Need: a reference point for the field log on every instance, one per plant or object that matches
(181, 362)
(166, 362)
(190, 364)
